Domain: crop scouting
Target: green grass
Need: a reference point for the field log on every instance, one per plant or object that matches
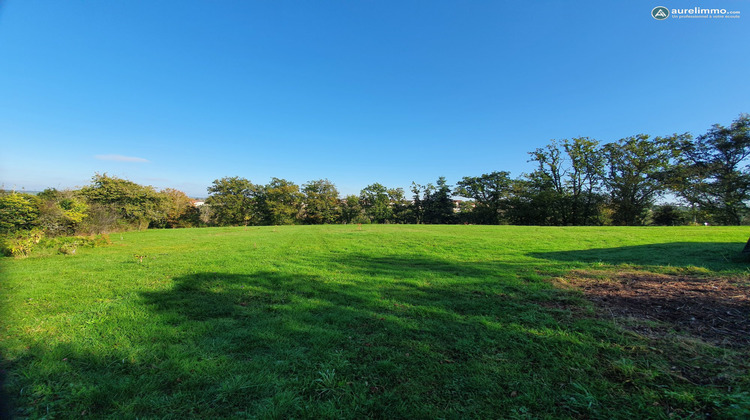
(337, 322)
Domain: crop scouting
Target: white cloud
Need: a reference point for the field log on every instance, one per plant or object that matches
(121, 158)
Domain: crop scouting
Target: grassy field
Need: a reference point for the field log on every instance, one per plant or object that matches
(371, 322)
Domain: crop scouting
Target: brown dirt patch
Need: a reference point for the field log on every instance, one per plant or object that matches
(716, 310)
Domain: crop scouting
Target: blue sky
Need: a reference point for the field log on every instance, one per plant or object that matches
(356, 91)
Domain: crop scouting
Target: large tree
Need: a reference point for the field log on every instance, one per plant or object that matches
(351, 210)
(376, 203)
(532, 202)
(636, 172)
(583, 184)
(568, 179)
(321, 202)
(178, 209)
(436, 202)
(417, 207)
(402, 209)
(282, 202)
(490, 193)
(233, 201)
(714, 173)
(133, 203)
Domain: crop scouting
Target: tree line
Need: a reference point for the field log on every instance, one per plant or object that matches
(577, 181)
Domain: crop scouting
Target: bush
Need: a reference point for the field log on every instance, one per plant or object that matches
(21, 243)
(68, 245)
(669, 215)
(60, 212)
(101, 219)
(18, 212)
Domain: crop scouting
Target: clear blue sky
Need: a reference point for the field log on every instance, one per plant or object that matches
(356, 91)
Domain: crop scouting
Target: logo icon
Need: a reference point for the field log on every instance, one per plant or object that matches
(660, 12)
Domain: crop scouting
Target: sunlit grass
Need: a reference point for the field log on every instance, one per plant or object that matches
(337, 322)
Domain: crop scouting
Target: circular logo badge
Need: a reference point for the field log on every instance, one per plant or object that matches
(660, 13)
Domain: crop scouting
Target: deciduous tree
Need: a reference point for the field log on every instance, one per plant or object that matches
(351, 210)
(375, 202)
(568, 179)
(233, 202)
(490, 193)
(282, 202)
(134, 204)
(714, 173)
(321, 202)
(178, 209)
(636, 169)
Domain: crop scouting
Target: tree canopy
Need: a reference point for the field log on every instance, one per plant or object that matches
(577, 181)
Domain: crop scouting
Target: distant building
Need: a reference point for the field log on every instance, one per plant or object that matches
(459, 206)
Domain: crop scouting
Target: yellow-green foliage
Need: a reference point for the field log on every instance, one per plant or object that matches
(18, 211)
(21, 243)
(26, 243)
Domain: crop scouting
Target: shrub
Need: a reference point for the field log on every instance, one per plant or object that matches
(669, 215)
(21, 243)
(18, 212)
(60, 212)
(68, 245)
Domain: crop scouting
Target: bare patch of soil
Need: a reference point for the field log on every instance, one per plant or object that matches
(715, 310)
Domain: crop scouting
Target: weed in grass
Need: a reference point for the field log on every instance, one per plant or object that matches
(326, 384)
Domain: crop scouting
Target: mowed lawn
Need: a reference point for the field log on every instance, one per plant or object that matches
(389, 321)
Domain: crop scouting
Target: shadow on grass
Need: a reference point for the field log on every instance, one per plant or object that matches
(354, 347)
(371, 338)
(709, 255)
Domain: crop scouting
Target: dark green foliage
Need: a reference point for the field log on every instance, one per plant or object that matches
(417, 207)
(351, 210)
(636, 169)
(135, 205)
(669, 215)
(401, 208)
(565, 189)
(438, 204)
(434, 204)
(531, 202)
(465, 212)
(234, 201)
(280, 202)
(583, 184)
(714, 173)
(321, 202)
(376, 203)
(490, 193)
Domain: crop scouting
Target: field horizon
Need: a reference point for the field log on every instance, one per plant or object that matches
(373, 321)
